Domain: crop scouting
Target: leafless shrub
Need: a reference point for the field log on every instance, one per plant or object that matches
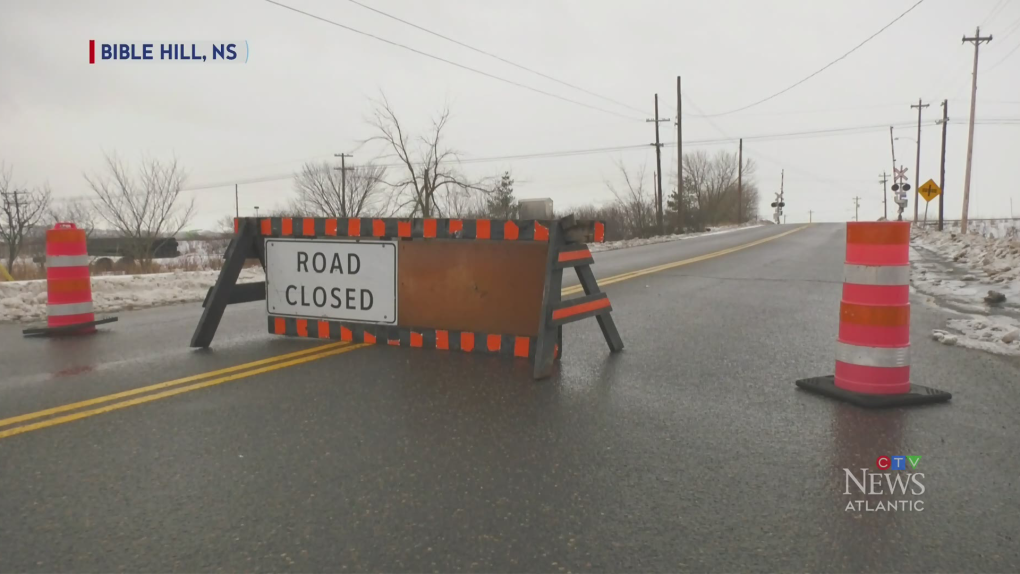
(20, 212)
(144, 207)
(325, 191)
(428, 184)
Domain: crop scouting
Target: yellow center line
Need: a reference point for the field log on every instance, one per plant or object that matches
(634, 274)
(279, 362)
(173, 392)
(156, 387)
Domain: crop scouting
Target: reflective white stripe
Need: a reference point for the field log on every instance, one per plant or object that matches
(67, 260)
(68, 309)
(873, 356)
(876, 275)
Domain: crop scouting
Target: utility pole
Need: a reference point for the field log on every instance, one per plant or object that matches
(237, 206)
(343, 180)
(740, 183)
(256, 211)
(917, 164)
(809, 216)
(892, 145)
(885, 196)
(857, 206)
(679, 162)
(658, 165)
(977, 39)
(942, 165)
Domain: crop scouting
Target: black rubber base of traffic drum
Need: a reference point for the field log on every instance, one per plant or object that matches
(918, 395)
(66, 329)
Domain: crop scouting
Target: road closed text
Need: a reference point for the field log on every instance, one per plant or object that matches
(342, 280)
(338, 297)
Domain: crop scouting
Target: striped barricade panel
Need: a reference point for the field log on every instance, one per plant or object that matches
(566, 239)
(429, 228)
(574, 256)
(441, 339)
(579, 308)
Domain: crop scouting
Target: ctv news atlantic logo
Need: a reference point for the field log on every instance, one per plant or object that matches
(217, 52)
(895, 479)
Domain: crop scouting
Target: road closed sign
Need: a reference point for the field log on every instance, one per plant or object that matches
(336, 280)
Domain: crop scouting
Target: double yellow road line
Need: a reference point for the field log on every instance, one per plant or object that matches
(174, 387)
(80, 410)
(635, 274)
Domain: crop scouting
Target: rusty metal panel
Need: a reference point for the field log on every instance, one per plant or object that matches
(484, 286)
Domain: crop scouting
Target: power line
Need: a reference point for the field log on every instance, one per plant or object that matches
(808, 134)
(501, 59)
(452, 63)
(538, 155)
(994, 11)
(823, 68)
(849, 130)
(1011, 29)
(1004, 58)
(822, 111)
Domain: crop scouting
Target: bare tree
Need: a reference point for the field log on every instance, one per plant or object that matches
(634, 201)
(711, 192)
(80, 213)
(323, 192)
(429, 182)
(145, 208)
(293, 208)
(224, 226)
(20, 211)
(466, 203)
(612, 215)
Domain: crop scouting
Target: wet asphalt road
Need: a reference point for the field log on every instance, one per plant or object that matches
(690, 451)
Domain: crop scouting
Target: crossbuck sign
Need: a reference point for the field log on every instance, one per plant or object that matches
(900, 174)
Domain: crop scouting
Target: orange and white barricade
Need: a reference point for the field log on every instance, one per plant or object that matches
(873, 345)
(68, 284)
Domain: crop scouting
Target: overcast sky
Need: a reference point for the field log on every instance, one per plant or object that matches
(305, 92)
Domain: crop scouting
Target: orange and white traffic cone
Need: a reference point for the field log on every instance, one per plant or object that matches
(873, 346)
(68, 285)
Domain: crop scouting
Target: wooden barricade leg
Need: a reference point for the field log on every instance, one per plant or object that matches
(548, 334)
(567, 251)
(241, 247)
(591, 287)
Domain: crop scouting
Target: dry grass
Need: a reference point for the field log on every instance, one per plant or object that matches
(22, 271)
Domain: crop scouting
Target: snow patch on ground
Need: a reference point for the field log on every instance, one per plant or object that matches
(966, 267)
(988, 228)
(26, 300)
(625, 243)
(965, 273)
(993, 334)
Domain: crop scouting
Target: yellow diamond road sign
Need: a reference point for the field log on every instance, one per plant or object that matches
(929, 191)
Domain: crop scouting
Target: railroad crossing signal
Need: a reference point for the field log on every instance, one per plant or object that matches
(900, 174)
(929, 190)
